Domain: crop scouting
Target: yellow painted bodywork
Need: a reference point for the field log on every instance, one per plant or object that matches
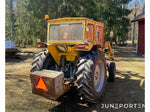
(71, 52)
(109, 52)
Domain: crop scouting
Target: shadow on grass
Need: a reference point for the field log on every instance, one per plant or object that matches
(122, 90)
(18, 58)
(127, 54)
(126, 51)
(71, 103)
(127, 88)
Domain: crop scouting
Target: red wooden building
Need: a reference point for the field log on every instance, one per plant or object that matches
(141, 33)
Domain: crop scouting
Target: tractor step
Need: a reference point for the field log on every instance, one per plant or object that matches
(48, 83)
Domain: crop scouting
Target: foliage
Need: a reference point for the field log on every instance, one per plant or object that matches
(29, 23)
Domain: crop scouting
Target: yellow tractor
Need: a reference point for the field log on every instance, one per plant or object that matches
(75, 56)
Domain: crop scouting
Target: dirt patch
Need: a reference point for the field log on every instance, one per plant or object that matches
(127, 88)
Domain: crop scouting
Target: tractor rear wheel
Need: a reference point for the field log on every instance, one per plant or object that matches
(91, 76)
(43, 60)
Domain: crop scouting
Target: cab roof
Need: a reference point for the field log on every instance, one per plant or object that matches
(72, 19)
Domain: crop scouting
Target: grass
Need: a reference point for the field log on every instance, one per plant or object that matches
(127, 88)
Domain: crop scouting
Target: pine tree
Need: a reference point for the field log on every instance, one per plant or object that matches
(29, 23)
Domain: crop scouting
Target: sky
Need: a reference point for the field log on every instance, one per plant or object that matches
(133, 2)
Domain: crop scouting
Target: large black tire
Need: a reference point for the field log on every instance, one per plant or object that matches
(43, 60)
(112, 71)
(87, 76)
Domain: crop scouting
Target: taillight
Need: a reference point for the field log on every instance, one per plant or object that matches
(81, 46)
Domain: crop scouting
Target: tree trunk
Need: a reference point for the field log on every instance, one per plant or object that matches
(11, 19)
(134, 24)
(130, 33)
(133, 34)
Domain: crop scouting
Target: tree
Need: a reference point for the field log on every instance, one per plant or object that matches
(29, 23)
(10, 19)
(21, 25)
(137, 7)
(115, 17)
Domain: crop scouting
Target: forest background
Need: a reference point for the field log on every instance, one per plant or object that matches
(25, 21)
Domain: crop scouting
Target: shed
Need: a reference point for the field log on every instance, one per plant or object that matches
(140, 46)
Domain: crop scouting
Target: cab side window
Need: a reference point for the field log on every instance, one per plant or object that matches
(90, 32)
